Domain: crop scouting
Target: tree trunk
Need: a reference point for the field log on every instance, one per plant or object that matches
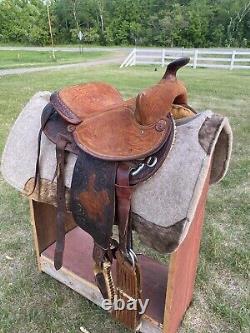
(74, 14)
(51, 34)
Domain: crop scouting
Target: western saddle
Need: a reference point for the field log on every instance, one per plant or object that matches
(119, 144)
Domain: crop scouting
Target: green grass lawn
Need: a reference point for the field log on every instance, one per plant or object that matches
(33, 302)
(13, 59)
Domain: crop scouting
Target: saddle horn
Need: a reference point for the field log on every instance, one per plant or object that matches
(155, 102)
(173, 67)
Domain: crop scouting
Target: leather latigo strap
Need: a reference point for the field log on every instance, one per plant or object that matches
(46, 115)
(128, 280)
(61, 141)
(57, 125)
(123, 196)
(61, 201)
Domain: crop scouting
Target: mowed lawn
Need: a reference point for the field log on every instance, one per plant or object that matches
(33, 302)
(14, 59)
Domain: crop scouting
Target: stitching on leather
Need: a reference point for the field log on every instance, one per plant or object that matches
(59, 104)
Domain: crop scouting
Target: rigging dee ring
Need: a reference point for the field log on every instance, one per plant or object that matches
(150, 163)
(132, 258)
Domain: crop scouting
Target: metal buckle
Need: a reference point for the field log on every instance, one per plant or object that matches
(150, 162)
(137, 170)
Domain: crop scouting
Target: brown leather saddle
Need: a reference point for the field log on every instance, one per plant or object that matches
(119, 144)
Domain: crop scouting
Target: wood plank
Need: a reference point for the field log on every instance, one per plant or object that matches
(43, 219)
(89, 291)
(34, 233)
(78, 260)
(72, 280)
(182, 269)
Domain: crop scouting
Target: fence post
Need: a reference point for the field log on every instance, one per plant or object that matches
(232, 60)
(127, 60)
(195, 58)
(163, 58)
(130, 59)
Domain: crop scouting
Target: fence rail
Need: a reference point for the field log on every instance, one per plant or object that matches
(231, 59)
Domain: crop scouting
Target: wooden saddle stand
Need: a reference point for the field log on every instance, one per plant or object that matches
(118, 145)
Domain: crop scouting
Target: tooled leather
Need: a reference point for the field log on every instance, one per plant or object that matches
(85, 100)
(57, 124)
(63, 109)
(155, 102)
(93, 197)
(115, 135)
(160, 154)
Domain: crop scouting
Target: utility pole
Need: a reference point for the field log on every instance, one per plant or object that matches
(51, 34)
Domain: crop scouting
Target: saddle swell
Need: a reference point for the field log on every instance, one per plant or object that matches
(155, 102)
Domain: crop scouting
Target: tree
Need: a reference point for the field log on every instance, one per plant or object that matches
(50, 29)
(24, 21)
(235, 27)
(188, 23)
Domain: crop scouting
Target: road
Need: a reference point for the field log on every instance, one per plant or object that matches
(14, 71)
(103, 48)
(64, 49)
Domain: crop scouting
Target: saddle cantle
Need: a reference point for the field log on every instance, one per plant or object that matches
(119, 144)
(79, 102)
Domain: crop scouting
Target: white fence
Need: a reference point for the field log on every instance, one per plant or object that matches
(231, 59)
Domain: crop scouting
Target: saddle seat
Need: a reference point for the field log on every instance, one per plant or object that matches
(109, 128)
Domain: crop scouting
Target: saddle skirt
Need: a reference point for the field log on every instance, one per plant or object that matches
(163, 206)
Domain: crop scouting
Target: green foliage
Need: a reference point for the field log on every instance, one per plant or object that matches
(23, 21)
(187, 23)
